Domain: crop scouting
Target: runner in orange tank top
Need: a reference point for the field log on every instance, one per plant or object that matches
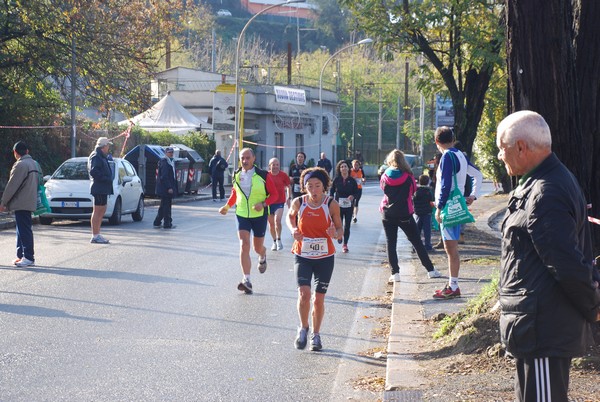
(314, 220)
(358, 174)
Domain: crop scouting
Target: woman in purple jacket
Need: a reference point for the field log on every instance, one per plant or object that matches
(398, 185)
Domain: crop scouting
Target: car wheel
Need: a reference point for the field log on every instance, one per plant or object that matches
(45, 220)
(138, 215)
(115, 218)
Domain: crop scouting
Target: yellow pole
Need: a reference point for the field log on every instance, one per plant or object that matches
(241, 122)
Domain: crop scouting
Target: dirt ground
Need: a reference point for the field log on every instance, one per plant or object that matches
(470, 365)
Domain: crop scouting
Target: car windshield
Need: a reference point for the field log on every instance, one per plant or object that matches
(72, 171)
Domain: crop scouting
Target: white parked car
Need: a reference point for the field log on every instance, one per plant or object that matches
(224, 13)
(414, 161)
(68, 192)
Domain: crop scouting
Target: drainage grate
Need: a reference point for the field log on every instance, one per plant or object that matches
(403, 396)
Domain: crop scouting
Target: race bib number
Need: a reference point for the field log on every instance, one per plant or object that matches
(345, 203)
(314, 247)
(358, 180)
(296, 188)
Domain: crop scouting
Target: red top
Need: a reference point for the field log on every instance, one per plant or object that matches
(281, 180)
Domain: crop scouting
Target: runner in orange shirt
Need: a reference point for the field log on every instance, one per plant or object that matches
(314, 220)
(358, 174)
(284, 190)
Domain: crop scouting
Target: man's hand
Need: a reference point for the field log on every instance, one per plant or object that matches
(259, 206)
(470, 199)
(170, 191)
(223, 210)
(438, 215)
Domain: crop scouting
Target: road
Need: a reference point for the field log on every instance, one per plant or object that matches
(156, 315)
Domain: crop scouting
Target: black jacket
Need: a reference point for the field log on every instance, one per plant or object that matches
(343, 188)
(100, 173)
(422, 199)
(217, 166)
(166, 179)
(546, 291)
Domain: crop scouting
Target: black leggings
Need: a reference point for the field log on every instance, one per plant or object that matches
(346, 216)
(409, 227)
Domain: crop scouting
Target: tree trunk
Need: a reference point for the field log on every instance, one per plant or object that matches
(587, 15)
(542, 75)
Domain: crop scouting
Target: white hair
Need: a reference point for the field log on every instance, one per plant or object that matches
(527, 126)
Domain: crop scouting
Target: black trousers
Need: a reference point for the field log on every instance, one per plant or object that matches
(409, 227)
(218, 181)
(542, 379)
(164, 212)
(346, 216)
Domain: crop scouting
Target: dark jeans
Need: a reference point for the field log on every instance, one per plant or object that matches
(424, 226)
(409, 227)
(24, 235)
(218, 181)
(164, 212)
(346, 216)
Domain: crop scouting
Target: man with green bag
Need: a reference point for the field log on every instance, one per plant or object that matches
(20, 196)
(451, 205)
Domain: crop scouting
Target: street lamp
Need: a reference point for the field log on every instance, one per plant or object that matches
(237, 71)
(362, 42)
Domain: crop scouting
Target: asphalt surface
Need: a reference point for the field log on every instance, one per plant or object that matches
(410, 304)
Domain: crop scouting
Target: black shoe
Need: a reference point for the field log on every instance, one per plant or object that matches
(245, 286)
(170, 227)
(354, 220)
(157, 225)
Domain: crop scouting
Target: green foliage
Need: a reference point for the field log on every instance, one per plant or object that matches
(475, 306)
(460, 41)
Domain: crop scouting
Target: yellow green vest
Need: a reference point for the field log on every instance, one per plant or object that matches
(258, 193)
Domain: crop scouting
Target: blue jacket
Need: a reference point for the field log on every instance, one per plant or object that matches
(166, 178)
(100, 174)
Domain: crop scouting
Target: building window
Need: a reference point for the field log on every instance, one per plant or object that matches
(278, 150)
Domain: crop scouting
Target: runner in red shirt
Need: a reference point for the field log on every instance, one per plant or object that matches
(284, 190)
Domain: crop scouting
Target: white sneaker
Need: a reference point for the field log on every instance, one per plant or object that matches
(394, 278)
(434, 274)
(279, 245)
(99, 240)
(274, 246)
(24, 262)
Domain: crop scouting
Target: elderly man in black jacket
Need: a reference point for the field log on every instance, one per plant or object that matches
(166, 189)
(548, 292)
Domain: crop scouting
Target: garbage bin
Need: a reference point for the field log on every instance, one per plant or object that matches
(153, 154)
(181, 173)
(194, 169)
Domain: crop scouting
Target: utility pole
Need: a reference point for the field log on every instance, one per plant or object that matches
(73, 93)
(380, 124)
(354, 121)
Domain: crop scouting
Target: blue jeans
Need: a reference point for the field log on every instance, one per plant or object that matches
(424, 226)
(24, 235)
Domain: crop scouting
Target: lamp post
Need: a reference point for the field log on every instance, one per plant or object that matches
(362, 42)
(237, 71)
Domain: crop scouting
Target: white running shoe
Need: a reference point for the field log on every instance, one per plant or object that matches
(274, 246)
(99, 239)
(279, 245)
(24, 262)
(434, 274)
(394, 278)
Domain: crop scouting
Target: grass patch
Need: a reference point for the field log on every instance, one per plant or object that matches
(475, 306)
(484, 260)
